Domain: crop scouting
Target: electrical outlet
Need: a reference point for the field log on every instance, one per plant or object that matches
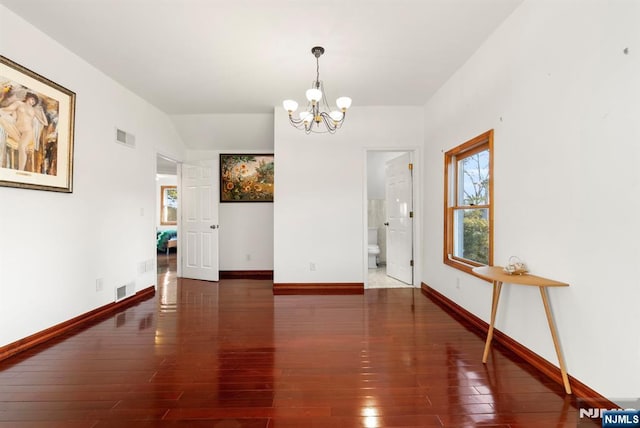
(248, 257)
(458, 283)
(142, 267)
(312, 266)
(99, 284)
(149, 265)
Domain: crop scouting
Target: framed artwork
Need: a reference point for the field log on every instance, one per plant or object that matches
(246, 177)
(168, 205)
(36, 130)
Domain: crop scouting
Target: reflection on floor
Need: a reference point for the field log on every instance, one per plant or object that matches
(377, 278)
(167, 262)
(167, 278)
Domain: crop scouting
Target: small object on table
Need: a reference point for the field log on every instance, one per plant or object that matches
(515, 266)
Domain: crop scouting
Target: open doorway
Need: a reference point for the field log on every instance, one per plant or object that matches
(167, 216)
(389, 219)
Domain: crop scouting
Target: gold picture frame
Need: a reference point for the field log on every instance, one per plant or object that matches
(36, 130)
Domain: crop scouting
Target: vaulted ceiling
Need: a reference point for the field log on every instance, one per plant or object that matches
(246, 56)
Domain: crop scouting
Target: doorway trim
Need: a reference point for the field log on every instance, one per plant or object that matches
(159, 154)
(416, 156)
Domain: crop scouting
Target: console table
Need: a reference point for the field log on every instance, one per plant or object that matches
(498, 276)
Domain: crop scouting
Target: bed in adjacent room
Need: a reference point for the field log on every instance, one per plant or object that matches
(166, 239)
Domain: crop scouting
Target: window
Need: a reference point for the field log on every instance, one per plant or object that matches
(168, 205)
(468, 202)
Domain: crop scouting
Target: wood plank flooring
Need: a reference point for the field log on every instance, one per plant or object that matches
(231, 354)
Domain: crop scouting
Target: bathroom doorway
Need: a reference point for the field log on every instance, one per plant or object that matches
(389, 219)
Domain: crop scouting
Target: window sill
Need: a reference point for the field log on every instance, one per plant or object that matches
(465, 267)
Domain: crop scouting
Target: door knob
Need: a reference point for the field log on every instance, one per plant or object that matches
(214, 226)
(386, 223)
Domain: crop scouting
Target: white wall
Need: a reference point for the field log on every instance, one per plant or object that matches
(319, 209)
(226, 131)
(54, 246)
(564, 99)
(246, 236)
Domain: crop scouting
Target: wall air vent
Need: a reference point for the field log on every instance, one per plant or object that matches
(125, 138)
(125, 291)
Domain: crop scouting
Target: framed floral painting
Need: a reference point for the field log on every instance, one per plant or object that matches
(246, 177)
(36, 130)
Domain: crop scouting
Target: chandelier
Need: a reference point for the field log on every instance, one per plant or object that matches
(317, 117)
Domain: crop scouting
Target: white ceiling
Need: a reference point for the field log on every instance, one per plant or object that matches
(246, 56)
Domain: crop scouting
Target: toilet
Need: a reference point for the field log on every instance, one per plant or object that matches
(372, 247)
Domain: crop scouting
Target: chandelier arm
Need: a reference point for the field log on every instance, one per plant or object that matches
(325, 122)
(296, 122)
(328, 122)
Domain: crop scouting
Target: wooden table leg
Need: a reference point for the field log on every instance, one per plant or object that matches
(497, 286)
(556, 343)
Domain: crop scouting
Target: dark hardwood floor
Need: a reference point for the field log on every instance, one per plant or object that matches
(231, 354)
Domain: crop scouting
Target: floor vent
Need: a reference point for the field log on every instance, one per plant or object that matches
(125, 291)
(123, 137)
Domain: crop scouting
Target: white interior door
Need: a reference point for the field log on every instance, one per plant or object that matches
(399, 194)
(199, 220)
